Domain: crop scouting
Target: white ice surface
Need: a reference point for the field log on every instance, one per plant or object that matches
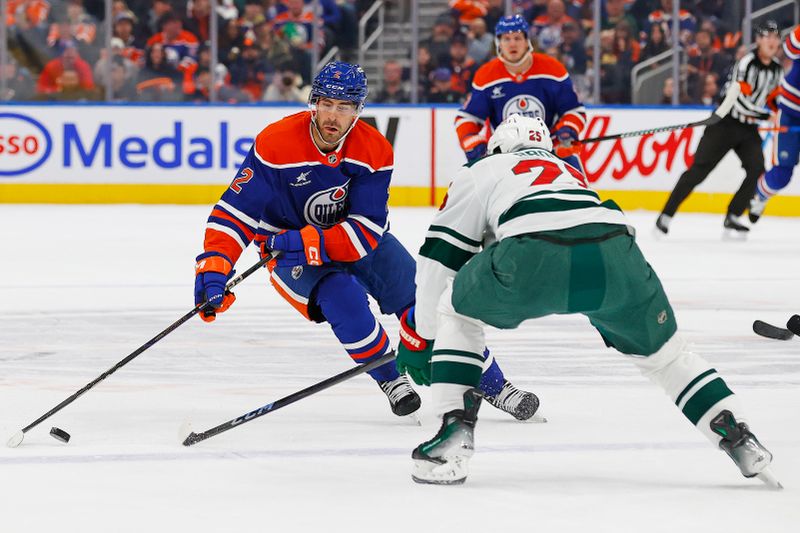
(83, 286)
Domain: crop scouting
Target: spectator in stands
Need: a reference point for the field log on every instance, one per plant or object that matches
(439, 42)
(331, 22)
(663, 17)
(572, 50)
(70, 88)
(656, 43)
(615, 12)
(461, 65)
(180, 46)
(103, 66)
(70, 60)
(710, 90)
(705, 61)
(76, 25)
(123, 30)
(469, 10)
(231, 42)
(154, 16)
(251, 71)
(18, 82)
(480, 41)
(626, 47)
(550, 23)
(426, 67)
(392, 91)
(27, 21)
(496, 10)
(669, 88)
(441, 91)
(273, 46)
(297, 24)
(159, 80)
(253, 14)
(198, 19)
(612, 74)
(284, 86)
(123, 88)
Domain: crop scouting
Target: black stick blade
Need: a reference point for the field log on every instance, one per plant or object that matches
(794, 325)
(193, 438)
(772, 332)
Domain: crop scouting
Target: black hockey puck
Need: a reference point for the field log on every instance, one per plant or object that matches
(59, 434)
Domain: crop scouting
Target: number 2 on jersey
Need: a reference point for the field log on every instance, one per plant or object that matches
(550, 171)
(245, 176)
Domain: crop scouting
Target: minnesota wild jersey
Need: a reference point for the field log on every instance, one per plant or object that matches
(500, 196)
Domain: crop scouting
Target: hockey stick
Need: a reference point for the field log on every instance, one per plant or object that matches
(793, 324)
(723, 109)
(193, 438)
(774, 332)
(17, 438)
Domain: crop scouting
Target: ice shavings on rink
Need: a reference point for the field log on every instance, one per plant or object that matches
(83, 286)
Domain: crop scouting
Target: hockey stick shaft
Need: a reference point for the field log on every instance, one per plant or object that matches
(194, 438)
(172, 327)
(723, 109)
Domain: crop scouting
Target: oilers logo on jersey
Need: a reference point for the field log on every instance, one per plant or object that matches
(525, 105)
(326, 208)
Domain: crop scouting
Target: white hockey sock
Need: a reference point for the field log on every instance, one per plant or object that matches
(457, 361)
(690, 381)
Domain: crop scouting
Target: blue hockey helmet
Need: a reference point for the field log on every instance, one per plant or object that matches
(340, 81)
(511, 24)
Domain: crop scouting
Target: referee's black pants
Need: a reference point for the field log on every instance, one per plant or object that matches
(718, 139)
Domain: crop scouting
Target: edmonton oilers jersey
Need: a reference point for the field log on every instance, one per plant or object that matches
(789, 92)
(286, 182)
(544, 90)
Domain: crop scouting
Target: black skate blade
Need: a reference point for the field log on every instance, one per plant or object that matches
(794, 325)
(772, 332)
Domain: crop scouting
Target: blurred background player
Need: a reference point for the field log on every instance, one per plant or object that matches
(786, 144)
(558, 250)
(521, 81)
(315, 187)
(758, 72)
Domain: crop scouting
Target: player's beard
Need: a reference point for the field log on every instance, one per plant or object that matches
(337, 132)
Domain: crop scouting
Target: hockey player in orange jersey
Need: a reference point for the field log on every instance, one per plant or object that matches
(522, 82)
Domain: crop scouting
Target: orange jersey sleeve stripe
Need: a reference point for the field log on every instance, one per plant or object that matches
(217, 241)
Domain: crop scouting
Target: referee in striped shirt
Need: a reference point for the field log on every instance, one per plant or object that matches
(759, 73)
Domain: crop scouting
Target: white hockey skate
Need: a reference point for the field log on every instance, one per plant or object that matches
(743, 447)
(444, 459)
(403, 399)
(520, 404)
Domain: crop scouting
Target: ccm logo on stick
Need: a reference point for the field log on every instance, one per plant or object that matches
(24, 144)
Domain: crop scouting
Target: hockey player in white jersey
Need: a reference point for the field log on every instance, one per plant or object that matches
(521, 236)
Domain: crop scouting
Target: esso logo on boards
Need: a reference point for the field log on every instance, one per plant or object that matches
(24, 144)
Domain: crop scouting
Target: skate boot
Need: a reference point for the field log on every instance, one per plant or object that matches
(403, 399)
(757, 205)
(743, 447)
(732, 222)
(662, 223)
(443, 459)
(520, 404)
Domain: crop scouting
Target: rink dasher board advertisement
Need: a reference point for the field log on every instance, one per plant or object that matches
(186, 154)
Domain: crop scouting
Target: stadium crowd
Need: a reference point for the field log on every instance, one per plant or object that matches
(160, 49)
